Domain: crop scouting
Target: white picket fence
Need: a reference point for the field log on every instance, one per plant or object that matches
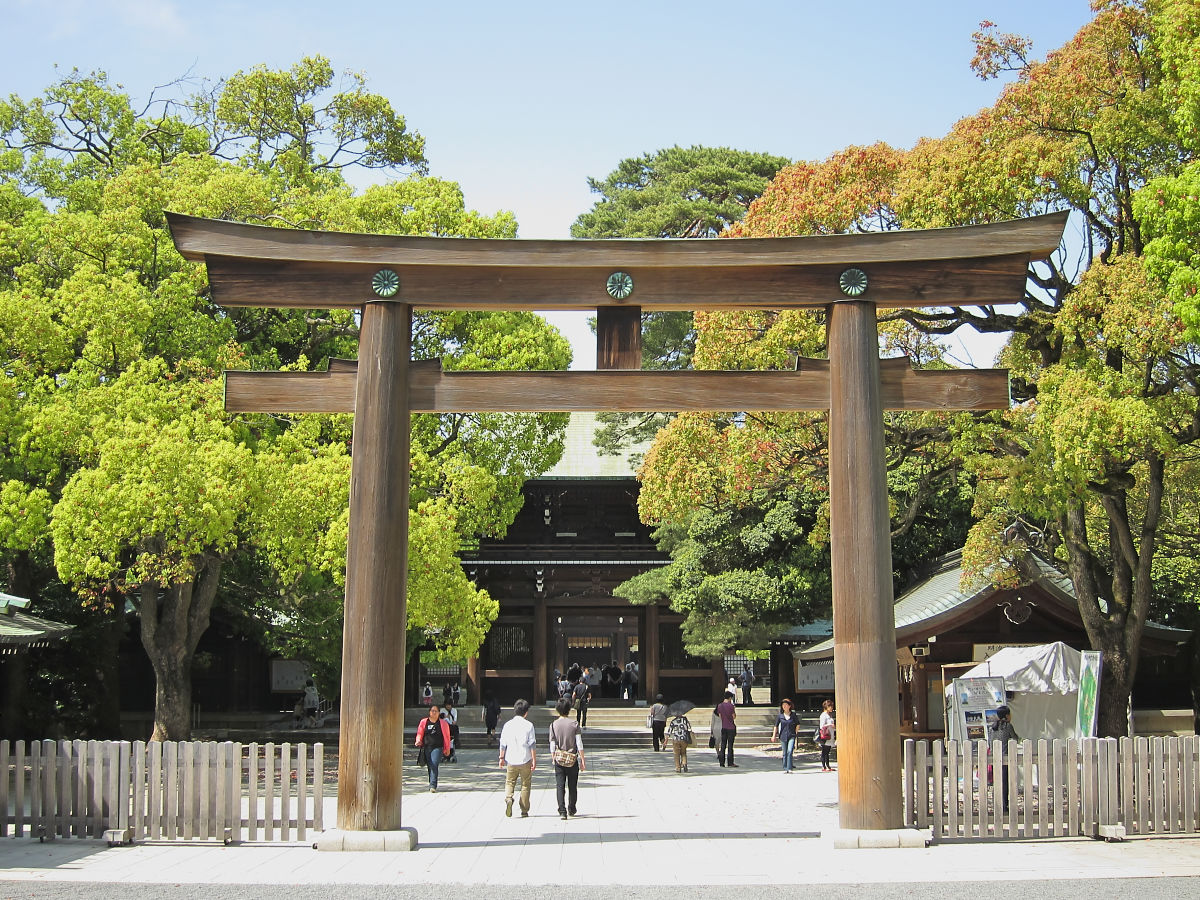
(161, 791)
(1098, 787)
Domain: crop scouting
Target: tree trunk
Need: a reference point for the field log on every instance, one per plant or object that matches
(173, 702)
(1114, 603)
(1116, 683)
(173, 619)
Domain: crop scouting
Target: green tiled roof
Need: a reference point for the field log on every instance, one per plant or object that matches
(19, 629)
(942, 593)
(813, 631)
(581, 459)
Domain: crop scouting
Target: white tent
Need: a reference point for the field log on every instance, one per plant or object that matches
(1045, 683)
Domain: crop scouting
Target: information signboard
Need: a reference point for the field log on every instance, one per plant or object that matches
(288, 676)
(975, 703)
(1089, 692)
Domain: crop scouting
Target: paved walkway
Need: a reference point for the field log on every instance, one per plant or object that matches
(639, 824)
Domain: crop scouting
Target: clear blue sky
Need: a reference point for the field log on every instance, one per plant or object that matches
(520, 102)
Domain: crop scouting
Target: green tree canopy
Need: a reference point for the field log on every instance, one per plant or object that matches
(1101, 361)
(672, 193)
(110, 405)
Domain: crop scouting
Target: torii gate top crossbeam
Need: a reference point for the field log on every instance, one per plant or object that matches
(252, 265)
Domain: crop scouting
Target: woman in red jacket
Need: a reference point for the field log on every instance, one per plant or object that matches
(433, 736)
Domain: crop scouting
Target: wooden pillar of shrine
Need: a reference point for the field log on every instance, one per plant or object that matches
(864, 628)
(649, 645)
(541, 671)
(371, 747)
(474, 686)
(618, 337)
(719, 679)
(920, 697)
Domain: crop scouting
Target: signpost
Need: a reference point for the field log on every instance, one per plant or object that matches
(1090, 665)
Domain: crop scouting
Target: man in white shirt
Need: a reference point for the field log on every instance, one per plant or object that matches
(518, 751)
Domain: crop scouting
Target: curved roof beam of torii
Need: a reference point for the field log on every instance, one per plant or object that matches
(253, 265)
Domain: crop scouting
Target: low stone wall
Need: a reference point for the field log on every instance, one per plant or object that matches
(1164, 721)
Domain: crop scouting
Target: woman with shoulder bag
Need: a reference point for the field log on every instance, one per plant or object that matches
(566, 749)
(433, 737)
(786, 725)
(826, 734)
(450, 714)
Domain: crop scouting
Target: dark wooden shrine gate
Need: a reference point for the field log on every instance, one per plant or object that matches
(386, 277)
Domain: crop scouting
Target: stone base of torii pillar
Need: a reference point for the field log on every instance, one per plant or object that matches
(337, 839)
(879, 838)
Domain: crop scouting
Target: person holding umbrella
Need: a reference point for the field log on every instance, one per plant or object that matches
(679, 732)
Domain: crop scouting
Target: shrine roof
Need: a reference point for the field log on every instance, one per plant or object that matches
(19, 630)
(941, 596)
(805, 634)
(581, 458)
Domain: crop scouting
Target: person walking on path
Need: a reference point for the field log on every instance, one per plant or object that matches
(658, 723)
(518, 751)
(728, 715)
(826, 733)
(312, 703)
(747, 684)
(680, 734)
(784, 731)
(581, 694)
(566, 749)
(433, 739)
(1004, 732)
(450, 714)
(491, 715)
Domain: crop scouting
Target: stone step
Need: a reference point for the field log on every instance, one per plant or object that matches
(610, 727)
(607, 731)
(611, 717)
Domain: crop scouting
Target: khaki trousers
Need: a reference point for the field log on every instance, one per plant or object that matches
(680, 748)
(525, 771)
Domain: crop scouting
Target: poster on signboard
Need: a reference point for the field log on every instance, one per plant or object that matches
(815, 677)
(288, 675)
(975, 701)
(1089, 692)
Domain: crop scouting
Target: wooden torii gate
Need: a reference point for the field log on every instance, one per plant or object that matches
(387, 276)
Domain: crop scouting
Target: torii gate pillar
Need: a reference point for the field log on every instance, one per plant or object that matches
(370, 755)
(864, 628)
